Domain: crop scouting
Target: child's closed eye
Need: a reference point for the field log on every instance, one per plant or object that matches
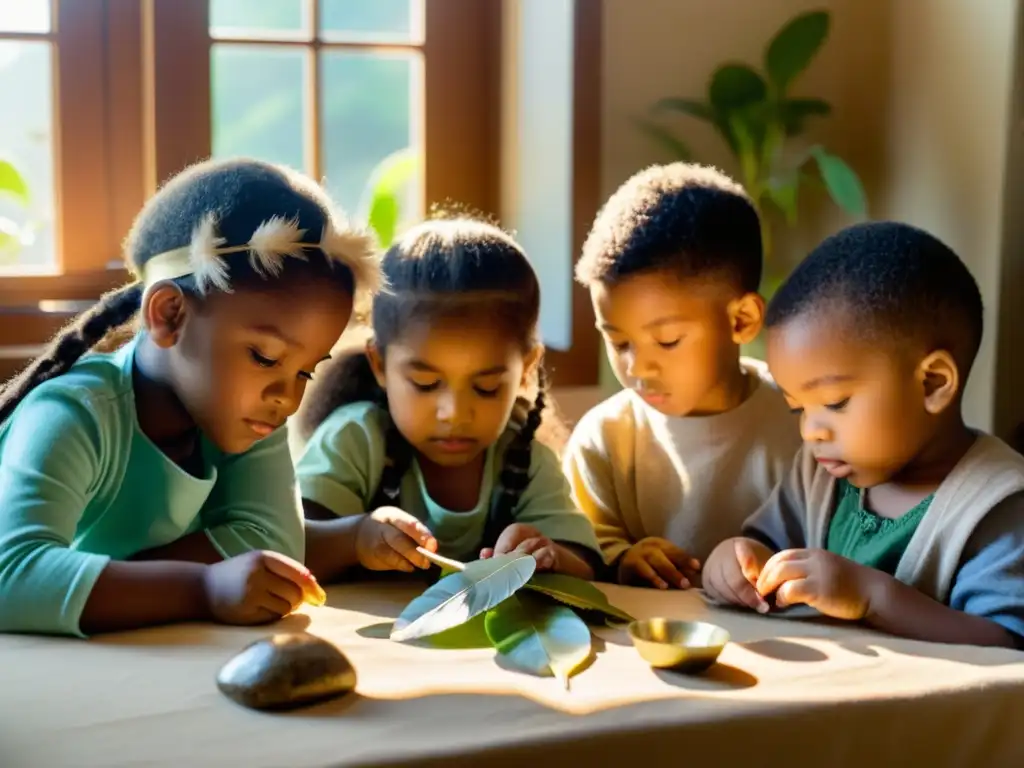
(839, 406)
(670, 344)
(485, 392)
(420, 387)
(261, 360)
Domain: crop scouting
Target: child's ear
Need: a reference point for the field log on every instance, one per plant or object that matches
(376, 362)
(530, 362)
(163, 311)
(746, 316)
(940, 381)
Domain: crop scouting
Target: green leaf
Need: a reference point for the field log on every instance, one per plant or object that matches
(690, 107)
(794, 112)
(735, 86)
(842, 182)
(539, 637)
(470, 634)
(664, 137)
(386, 187)
(459, 597)
(12, 183)
(577, 593)
(794, 46)
(782, 190)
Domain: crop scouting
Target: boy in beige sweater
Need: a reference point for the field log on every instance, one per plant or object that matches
(895, 513)
(698, 438)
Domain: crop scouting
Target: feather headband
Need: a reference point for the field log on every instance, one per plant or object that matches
(271, 243)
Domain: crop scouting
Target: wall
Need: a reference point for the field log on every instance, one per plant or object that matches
(921, 93)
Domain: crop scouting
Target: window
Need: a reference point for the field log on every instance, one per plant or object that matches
(112, 97)
(333, 87)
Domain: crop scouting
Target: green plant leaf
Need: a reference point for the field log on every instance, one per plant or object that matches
(12, 183)
(469, 634)
(386, 186)
(794, 112)
(794, 46)
(842, 182)
(782, 191)
(577, 593)
(460, 596)
(690, 107)
(664, 137)
(539, 637)
(735, 86)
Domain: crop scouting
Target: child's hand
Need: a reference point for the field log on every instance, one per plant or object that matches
(387, 539)
(659, 562)
(258, 587)
(732, 570)
(550, 556)
(834, 585)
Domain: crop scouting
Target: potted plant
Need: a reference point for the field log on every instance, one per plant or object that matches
(758, 119)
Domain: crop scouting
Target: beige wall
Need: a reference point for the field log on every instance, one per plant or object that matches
(921, 95)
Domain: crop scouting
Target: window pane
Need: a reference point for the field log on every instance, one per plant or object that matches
(257, 18)
(26, 142)
(25, 16)
(371, 19)
(257, 94)
(368, 114)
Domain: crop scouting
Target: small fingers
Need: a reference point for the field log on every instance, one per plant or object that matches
(644, 570)
(295, 572)
(545, 555)
(793, 593)
(411, 527)
(783, 567)
(405, 548)
(285, 589)
(680, 559)
(660, 562)
(276, 606)
(486, 552)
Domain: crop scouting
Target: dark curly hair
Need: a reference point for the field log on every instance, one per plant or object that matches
(443, 269)
(690, 219)
(888, 281)
(239, 195)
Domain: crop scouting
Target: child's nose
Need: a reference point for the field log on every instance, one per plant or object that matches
(814, 430)
(285, 394)
(639, 366)
(452, 409)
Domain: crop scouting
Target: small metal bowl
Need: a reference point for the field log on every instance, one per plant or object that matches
(686, 646)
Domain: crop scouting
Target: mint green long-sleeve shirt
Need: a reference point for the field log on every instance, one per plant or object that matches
(80, 484)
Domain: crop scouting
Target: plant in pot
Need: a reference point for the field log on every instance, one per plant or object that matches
(760, 121)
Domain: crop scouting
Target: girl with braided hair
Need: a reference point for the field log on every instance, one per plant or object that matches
(426, 436)
(153, 483)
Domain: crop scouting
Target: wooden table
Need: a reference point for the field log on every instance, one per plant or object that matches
(785, 693)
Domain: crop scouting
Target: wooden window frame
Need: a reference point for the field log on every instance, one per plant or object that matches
(147, 63)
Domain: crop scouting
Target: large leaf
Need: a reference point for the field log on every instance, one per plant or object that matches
(794, 46)
(12, 183)
(460, 596)
(577, 593)
(794, 112)
(690, 107)
(735, 86)
(387, 185)
(666, 139)
(539, 637)
(842, 182)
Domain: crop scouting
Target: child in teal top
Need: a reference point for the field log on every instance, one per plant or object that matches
(153, 483)
(895, 512)
(426, 436)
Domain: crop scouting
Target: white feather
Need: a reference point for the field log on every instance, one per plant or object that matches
(208, 267)
(356, 250)
(273, 240)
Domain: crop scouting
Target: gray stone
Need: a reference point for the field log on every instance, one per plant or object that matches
(285, 671)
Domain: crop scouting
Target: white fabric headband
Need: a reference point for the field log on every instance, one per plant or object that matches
(273, 241)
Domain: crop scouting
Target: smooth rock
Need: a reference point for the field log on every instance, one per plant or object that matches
(285, 671)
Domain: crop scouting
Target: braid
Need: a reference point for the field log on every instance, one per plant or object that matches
(398, 455)
(88, 329)
(515, 472)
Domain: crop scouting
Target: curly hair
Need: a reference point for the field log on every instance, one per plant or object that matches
(890, 281)
(689, 219)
